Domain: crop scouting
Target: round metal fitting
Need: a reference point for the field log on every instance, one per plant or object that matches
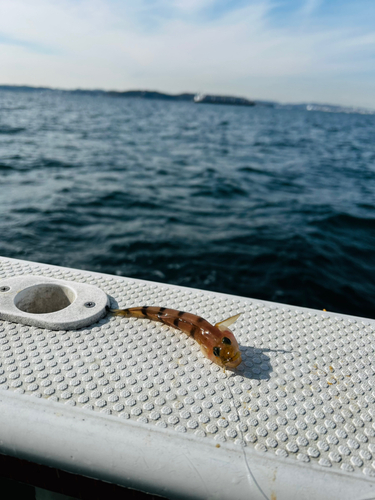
(4, 288)
(89, 304)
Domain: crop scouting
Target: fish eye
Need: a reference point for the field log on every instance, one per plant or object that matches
(216, 351)
(226, 341)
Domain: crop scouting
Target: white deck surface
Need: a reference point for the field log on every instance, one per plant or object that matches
(134, 402)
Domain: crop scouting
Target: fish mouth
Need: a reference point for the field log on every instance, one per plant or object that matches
(235, 361)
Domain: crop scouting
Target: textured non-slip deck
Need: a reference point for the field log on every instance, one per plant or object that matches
(304, 393)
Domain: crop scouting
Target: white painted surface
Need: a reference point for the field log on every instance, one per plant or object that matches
(150, 459)
(135, 403)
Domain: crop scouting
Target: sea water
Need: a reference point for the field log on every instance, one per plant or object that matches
(264, 202)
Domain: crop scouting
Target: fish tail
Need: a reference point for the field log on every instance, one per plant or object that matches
(120, 312)
(135, 312)
(170, 317)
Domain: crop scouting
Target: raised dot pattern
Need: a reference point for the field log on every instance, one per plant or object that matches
(305, 388)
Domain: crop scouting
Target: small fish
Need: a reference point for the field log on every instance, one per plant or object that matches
(217, 342)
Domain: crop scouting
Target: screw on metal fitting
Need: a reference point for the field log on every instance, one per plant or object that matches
(89, 304)
(4, 288)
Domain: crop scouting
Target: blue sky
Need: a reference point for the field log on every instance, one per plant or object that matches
(290, 51)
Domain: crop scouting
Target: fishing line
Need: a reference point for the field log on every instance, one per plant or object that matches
(250, 475)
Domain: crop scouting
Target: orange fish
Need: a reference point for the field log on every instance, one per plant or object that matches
(217, 342)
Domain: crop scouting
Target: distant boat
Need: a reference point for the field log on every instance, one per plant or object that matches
(222, 99)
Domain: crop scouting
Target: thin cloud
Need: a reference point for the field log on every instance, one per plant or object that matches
(310, 7)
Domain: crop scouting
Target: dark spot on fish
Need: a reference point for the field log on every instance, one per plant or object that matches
(162, 309)
(200, 319)
(176, 322)
(226, 341)
(193, 331)
(217, 351)
(181, 313)
(144, 310)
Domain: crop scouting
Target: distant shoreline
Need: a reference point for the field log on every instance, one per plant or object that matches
(143, 94)
(190, 97)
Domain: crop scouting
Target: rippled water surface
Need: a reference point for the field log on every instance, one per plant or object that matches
(268, 203)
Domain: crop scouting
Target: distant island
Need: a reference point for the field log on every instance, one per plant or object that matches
(195, 98)
(222, 99)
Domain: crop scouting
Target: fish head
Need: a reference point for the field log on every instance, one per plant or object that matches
(227, 351)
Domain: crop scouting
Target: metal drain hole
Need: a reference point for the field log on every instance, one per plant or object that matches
(44, 298)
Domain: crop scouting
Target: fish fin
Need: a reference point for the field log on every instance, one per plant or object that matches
(223, 325)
